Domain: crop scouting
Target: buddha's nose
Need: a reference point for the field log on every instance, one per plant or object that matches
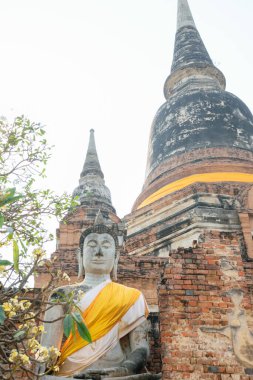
(99, 252)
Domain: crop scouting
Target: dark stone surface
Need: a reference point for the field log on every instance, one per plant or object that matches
(190, 292)
(213, 369)
(249, 371)
(51, 377)
(199, 119)
(189, 49)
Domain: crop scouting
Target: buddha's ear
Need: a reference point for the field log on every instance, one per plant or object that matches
(115, 266)
(80, 263)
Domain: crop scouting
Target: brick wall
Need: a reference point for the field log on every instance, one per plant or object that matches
(144, 273)
(192, 295)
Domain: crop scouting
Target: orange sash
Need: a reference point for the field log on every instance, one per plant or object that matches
(107, 309)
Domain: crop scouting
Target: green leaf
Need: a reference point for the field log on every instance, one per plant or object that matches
(2, 315)
(15, 255)
(10, 236)
(73, 330)
(23, 247)
(10, 192)
(77, 316)
(6, 201)
(67, 325)
(19, 335)
(1, 220)
(84, 332)
(5, 262)
(81, 327)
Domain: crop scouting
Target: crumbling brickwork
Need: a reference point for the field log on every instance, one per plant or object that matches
(195, 302)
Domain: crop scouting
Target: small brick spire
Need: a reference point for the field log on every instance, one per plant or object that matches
(92, 190)
(91, 164)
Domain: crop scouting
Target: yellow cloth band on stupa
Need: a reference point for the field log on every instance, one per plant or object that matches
(107, 309)
(205, 177)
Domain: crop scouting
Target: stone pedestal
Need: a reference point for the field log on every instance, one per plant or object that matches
(141, 376)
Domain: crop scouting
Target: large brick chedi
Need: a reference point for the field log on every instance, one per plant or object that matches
(196, 212)
(199, 173)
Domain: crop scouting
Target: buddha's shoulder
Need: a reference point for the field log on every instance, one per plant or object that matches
(125, 287)
(67, 290)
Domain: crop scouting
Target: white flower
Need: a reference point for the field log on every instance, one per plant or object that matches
(65, 276)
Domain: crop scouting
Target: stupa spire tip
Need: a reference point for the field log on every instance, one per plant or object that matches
(184, 15)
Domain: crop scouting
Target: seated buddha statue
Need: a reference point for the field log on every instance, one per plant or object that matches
(115, 315)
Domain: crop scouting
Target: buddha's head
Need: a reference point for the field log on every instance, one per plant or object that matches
(98, 252)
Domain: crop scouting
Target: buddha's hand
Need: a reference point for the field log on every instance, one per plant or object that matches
(108, 372)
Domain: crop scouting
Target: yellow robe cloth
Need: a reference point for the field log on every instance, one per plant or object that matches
(107, 309)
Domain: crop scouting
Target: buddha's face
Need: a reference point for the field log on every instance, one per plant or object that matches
(98, 253)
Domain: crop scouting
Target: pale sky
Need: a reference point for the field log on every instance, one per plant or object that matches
(74, 65)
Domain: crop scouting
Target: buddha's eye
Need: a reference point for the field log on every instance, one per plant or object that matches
(92, 243)
(106, 244)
